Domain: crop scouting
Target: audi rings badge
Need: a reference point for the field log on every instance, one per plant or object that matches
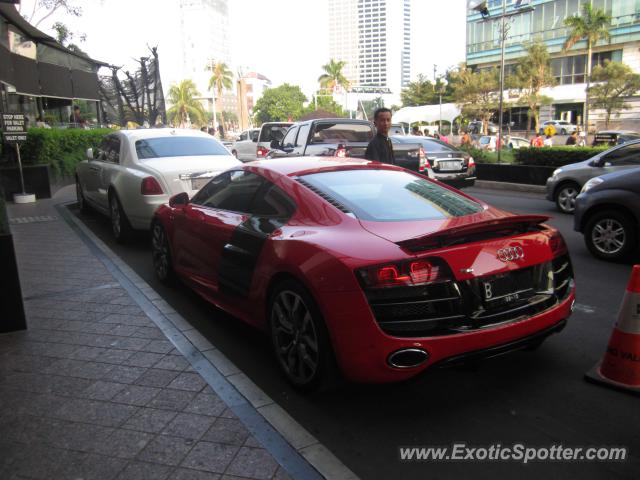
(510, 254)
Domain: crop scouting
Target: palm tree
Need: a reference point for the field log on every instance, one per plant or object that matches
(592, 26)
(333, 77)
(221, 79)
(184, 106)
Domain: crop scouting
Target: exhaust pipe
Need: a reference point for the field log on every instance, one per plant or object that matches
(407, 358)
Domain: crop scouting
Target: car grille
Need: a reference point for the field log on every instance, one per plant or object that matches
(454, 307)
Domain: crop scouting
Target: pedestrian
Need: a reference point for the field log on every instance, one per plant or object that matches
(582, 138)
(537, 140)
(416, 131)
(426, 132)
(573, 139)
(76, 118)
(465, 141)
(203, 129)
(221, 131)
(380, 147)
(444, 138)
(211, 131)
(548, 142)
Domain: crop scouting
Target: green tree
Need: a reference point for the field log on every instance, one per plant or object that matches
(64, 36)
(221, 78)
(592, 26)
(476, 93)
(533, 73)
(333, 78)
(618, 82)
(326, 103)
(184, 106)
(279, 104)
(419, 92)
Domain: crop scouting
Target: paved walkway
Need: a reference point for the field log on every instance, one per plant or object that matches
(94, 389)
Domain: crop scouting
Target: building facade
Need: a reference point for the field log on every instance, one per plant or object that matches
(373, 37)
(546, 24)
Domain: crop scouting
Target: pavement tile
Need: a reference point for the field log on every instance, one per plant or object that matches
(79, 368)
(144, 359)
(94, 467)
(152, 333)
(227, 430)
(188, 381)
(188, 474)
(210, 457)
(40, 462)
(281, 474)
(102, 390)
(253, 463)
(157, 378)
(124, 373)
(144, 471)
(206, 404)
(99, 413)
(166, 450)
(123, 330)
(124, 443)
(158, 346)
(188, 425)
(78, 436)
(124, 343)
(136, 395)
(172, 362)
(175, 400)
(150, 420)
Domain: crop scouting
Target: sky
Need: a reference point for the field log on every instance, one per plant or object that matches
(119, 30)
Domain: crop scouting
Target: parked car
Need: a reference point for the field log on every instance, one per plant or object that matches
(397, 129)
(614, 137)
(488, 142)
(476, 128)
(373, 267)
(608, 214)
(135, 171)
(562, 127)
(450, 165)
(269, 132)
(244, 149)
(343, 137)
(565, 183)
(517, 143)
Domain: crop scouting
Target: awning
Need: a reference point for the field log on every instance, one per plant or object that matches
(427, 113)
(6, 66)
(25, 77)
(85, 85)
(55, 81)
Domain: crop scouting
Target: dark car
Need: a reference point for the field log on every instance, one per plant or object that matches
(614, 137)
(608, 214)
(449, 164)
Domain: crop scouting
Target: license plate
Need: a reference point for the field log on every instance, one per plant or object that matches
(198, 183)
(508, 288)
(449, 165)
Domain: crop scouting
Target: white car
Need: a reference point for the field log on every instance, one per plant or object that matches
(244, 148)
(562, 127)
(135, 171)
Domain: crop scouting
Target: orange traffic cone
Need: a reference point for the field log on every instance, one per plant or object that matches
(620, 366)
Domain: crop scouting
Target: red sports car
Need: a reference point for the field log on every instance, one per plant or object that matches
(378, 269)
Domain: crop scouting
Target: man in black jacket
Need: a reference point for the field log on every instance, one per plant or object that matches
(380, 147)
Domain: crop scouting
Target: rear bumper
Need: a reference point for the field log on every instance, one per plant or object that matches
(459, 178)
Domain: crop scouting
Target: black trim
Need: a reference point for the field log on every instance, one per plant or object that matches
(55, 81)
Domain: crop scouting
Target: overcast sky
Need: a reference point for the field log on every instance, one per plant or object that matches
(264, 34)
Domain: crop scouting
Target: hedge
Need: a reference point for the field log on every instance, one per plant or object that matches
(62, 149)
(555, 156)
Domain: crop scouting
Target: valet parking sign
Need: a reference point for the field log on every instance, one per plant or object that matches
(13, 128)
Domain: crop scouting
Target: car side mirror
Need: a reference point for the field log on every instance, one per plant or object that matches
(89, 153)
(275, 144)
(179, 200)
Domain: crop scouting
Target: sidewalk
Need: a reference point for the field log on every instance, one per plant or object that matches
(94, 389)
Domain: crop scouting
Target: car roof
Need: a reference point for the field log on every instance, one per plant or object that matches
(619, 132)
(295, 166)
(142, 133)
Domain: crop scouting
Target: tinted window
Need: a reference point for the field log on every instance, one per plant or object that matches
(290, 137)
(233, 191)
(112, 151)
(178, 147)
(273, 132)
(628, 155)
(303, 135)
(341, 132)
(273, 203)
(254, 135)
(243, 136)
(429, 145)
(383, 195)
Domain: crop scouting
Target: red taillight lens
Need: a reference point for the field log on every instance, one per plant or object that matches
(556, 242)
(150, 186)
(341, 152)
(471, 162)
(413, 273)
(261, 152)
(424, 161)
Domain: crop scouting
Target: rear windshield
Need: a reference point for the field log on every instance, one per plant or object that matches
(341, 132)
(429, 144)
(391, 196)
(178, 147)
(485, 140)
(273, 132)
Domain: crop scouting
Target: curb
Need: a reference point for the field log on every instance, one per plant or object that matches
(516, 187)
(294, 448)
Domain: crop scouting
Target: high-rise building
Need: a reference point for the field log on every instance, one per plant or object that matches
(546, 24)
(204, 35)
(373, 37)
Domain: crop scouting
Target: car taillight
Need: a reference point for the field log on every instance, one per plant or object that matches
(341, 152)
(424, 161)
(150, 186)
(557, 244)
(261, 152)
(413, 273)
(471, 162)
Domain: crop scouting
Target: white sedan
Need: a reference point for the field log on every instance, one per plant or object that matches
(135, 171)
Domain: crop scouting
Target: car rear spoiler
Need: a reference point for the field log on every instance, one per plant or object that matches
(477, 231)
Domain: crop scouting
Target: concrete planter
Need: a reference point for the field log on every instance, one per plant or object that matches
(37, 179)
(526, 174)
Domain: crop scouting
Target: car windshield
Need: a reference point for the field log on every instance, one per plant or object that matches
(178, 147)
(391, 196)
(273, 132)
(485, 140)
(428, 144)
(563, 123)
(341, 132)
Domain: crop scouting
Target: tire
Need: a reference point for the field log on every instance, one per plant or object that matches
(611, 235)
(161, 254)
(82, 202)
(566, 195)
(300, 338)
(120, 225)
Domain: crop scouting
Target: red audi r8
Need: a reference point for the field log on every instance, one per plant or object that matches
(378, 269)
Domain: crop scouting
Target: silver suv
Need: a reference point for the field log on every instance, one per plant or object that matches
(562, 127)
(565, 183)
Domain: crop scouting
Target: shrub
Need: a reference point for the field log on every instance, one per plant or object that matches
(61, 149)
(555, 156)
(483, 156)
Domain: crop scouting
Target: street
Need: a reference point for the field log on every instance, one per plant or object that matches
(538, 398)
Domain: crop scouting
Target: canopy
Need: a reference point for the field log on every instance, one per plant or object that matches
(427, 113)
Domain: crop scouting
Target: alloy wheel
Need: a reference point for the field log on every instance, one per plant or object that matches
(80, 197)
(608, 236)
(160, 252)
(567, 198)
(116, 220)
(295, 337)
